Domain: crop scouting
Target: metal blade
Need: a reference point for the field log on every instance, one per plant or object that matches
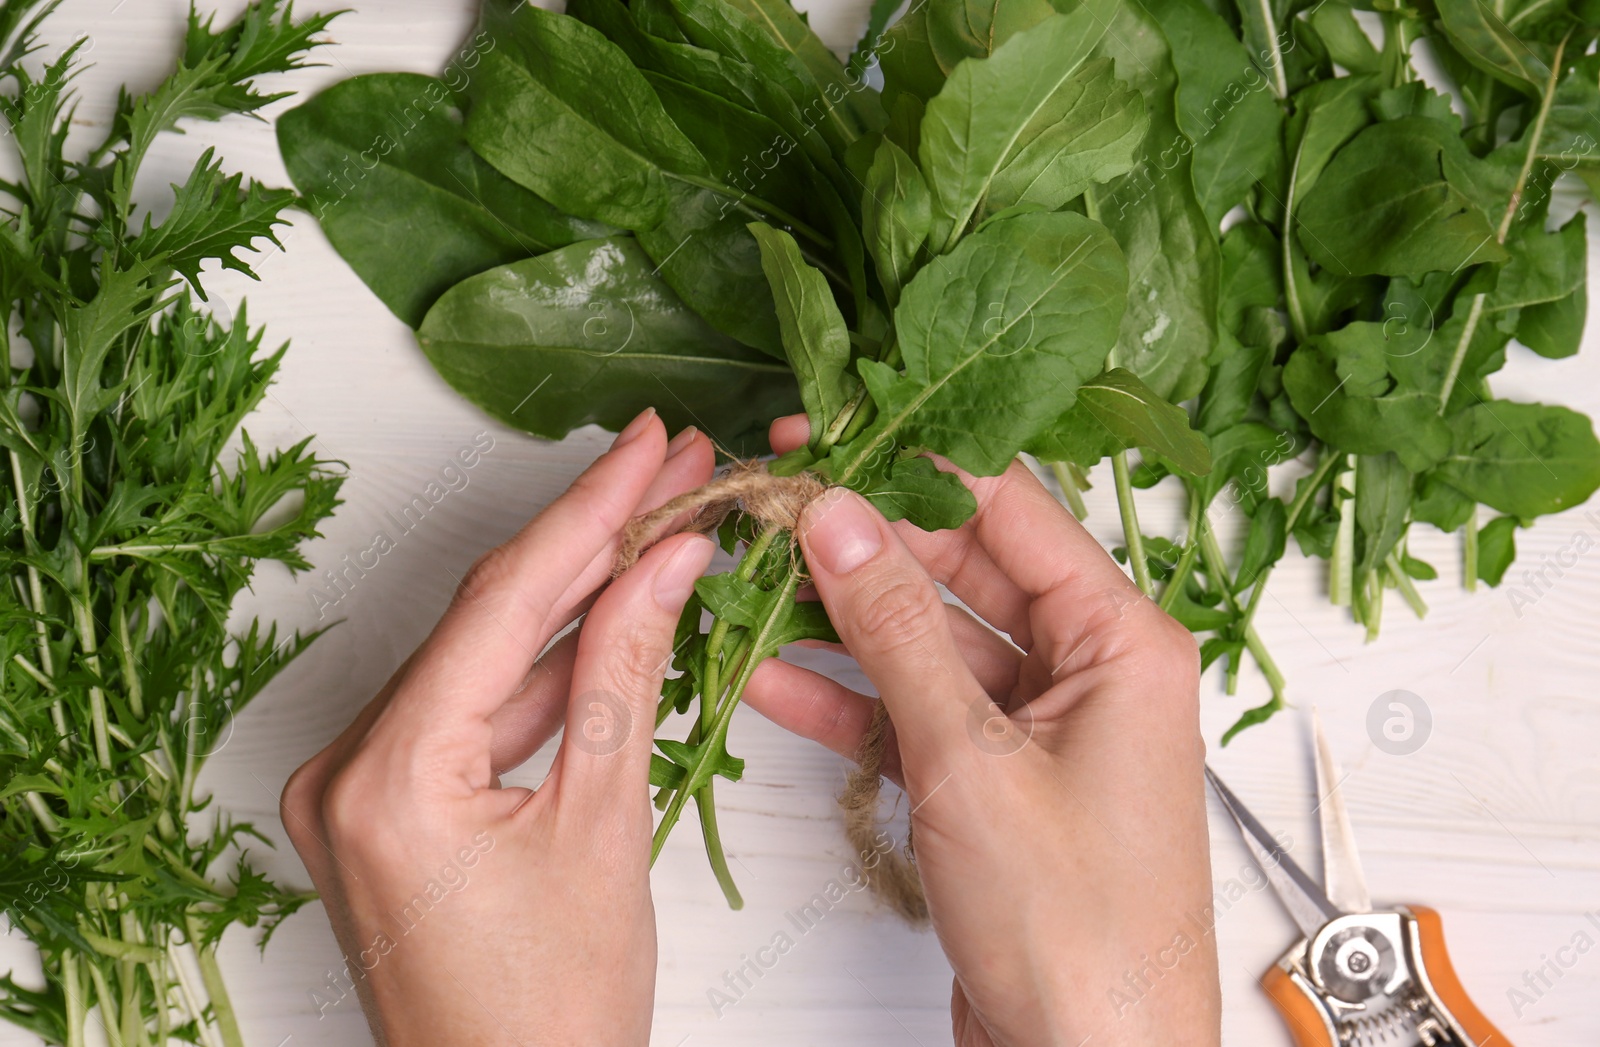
(1342, 878)
(1305, 901)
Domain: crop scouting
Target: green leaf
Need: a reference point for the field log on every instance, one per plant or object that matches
(1484, 39)
(1224, 104)
(843, 93)
(1546, 279)
(587, 334)
(1341, 34)
(1087, 133)
(1523, 459)
(985, 111)
(534, 109)
(961, 29)
(895, 217)
(1030, 302)
(705, 253)
(1383, 502)
(1398, 200)
(1264, 544)
(1133, 416)
(917, 490)
(383, 163)
(1497, 547)
(1342, 385)
(212, 217)
(1250, 717)
(682, 758)
(814, 334)
(1169, 328)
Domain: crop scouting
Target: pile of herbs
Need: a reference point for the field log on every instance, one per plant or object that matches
(129, 523)
(1015, 244)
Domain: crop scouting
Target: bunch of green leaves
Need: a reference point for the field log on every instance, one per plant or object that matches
(129, 522)
(1385, 248)
(1015, 244)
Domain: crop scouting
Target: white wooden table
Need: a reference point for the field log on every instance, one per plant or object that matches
(1495, 820)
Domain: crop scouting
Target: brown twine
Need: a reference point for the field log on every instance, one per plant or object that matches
(894, 880)
(779, 501)
(772, 500)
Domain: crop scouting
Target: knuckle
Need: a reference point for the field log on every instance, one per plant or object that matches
(300, 806)
(347, 802)
(898, 611)
(487, 573)
(638, 658)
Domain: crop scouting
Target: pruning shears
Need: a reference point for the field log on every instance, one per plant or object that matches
(1358, 975)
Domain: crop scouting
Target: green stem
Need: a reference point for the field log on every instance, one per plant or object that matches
(109, 1020)
(1217, 568)
(1407, 588)
(72, 987)
(1191, 548)
(216, 989)
(1469, 550)
(1071, 492)
(706, 806)
(760, 646)
(1341, 565)
(1131, 535)
(1297, 509)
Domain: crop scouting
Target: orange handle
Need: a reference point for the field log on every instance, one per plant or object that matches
(1430, 932)
(1302, 1016)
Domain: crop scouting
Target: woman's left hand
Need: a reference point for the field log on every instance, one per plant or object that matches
(475, 914)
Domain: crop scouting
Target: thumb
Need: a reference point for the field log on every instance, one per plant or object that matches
(892, 619)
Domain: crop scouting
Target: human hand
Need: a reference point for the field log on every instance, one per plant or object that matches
(1061, 836)
(475, 914)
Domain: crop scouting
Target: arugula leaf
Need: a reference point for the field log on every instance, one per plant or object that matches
(917, 490)
(992, 108)
(1169, 328)
(1029, 302)
(1116, 411)
(814, 335)
(896, 216)
(1523, 459)
(1398, 200)
(1497, 547)
(1223, 104)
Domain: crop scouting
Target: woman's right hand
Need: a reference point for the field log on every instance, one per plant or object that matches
(1053, 763)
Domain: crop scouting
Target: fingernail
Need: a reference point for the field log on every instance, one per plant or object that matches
(679, 442)
(635, 427)
(843, 532)
(676, 578)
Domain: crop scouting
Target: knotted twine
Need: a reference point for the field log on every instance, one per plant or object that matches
(778, 501)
